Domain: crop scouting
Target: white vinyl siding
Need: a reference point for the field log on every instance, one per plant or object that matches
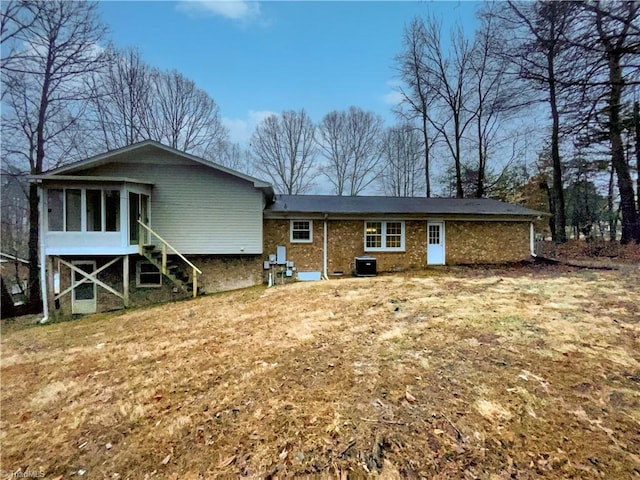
(195, 208)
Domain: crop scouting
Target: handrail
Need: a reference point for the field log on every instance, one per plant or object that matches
(170, 246)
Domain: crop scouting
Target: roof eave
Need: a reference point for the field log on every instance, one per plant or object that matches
(47, 178)
(270, 213)
(83, 164)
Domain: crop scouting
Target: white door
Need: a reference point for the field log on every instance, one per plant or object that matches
(83, 296)
(435, 243)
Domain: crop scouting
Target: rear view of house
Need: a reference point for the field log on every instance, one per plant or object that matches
(145, 224)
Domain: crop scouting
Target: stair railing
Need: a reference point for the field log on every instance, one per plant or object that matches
(166, 245)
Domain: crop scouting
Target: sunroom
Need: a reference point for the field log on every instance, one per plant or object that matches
(93, 215)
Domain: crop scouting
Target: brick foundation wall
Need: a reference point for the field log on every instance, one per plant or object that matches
(486, 242)
(219, 273)
(222, 272)
(112, 276)
(466, 242)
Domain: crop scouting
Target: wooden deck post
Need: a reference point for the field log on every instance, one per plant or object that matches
(195, 283)
(50, 290)
(164, 259)
(125, 280)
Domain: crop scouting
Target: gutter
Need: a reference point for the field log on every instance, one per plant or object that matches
(324, 248)
(43, 265)
(532, 240)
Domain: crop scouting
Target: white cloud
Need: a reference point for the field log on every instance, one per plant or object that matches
(240, 10)
(241, 129)
(393, 97)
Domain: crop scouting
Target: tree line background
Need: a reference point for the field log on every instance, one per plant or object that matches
(472, 103)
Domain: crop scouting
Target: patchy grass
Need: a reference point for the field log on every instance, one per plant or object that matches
(461, 373)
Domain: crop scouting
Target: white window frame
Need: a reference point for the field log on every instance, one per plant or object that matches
(384, 247)
(83, 209)
(292, 240)
(139, 263)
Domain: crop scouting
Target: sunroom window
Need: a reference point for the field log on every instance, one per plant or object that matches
(94, 210)
(112, 210)
(65, 210)
(73, 209)
(55, 209)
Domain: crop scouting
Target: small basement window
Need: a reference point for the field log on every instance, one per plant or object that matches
(147, 275)
(301, 231)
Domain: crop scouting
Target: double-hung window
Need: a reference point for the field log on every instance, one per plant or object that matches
(384, 236)
(301, 231)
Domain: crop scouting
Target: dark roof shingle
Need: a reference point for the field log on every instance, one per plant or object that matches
(334, 204)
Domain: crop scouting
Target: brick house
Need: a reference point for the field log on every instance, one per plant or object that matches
(326, 233)
(147, 223)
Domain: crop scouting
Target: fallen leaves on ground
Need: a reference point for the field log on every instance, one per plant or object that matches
(481, 373)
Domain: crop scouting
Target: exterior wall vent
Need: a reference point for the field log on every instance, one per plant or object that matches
(366, 267)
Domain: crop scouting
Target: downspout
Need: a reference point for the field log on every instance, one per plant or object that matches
(532, 240)
(43, 263)
(324, 249)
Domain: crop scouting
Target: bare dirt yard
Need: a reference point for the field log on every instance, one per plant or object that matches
(513, 373)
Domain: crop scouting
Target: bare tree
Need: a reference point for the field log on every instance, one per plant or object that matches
(349, 141)
(121, 99)
(133, 101)
(15, 17)
(334, 146)
(402, 159)
(231, 155)
(493, 96)
(618, 38)
(183, 116)
(15, 211)
(636, 126)
(419, 95)
(46, 94)
(537, 35)
(450, 75)
(283, 149)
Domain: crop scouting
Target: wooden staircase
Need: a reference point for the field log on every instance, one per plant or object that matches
(175, 268)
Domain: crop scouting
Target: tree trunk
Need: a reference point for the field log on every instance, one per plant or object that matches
(557, 190)
(425, 136)
(552, 208)
(34, 269)
(630, 227)
(613, 224)
(636, 122)
(459, 190)
(481, 158)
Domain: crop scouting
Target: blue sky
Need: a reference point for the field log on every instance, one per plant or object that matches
(257, 58)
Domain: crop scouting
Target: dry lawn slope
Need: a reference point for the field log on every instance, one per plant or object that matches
(521, 373)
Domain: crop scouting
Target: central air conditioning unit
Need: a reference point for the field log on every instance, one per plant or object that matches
(366, 267)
